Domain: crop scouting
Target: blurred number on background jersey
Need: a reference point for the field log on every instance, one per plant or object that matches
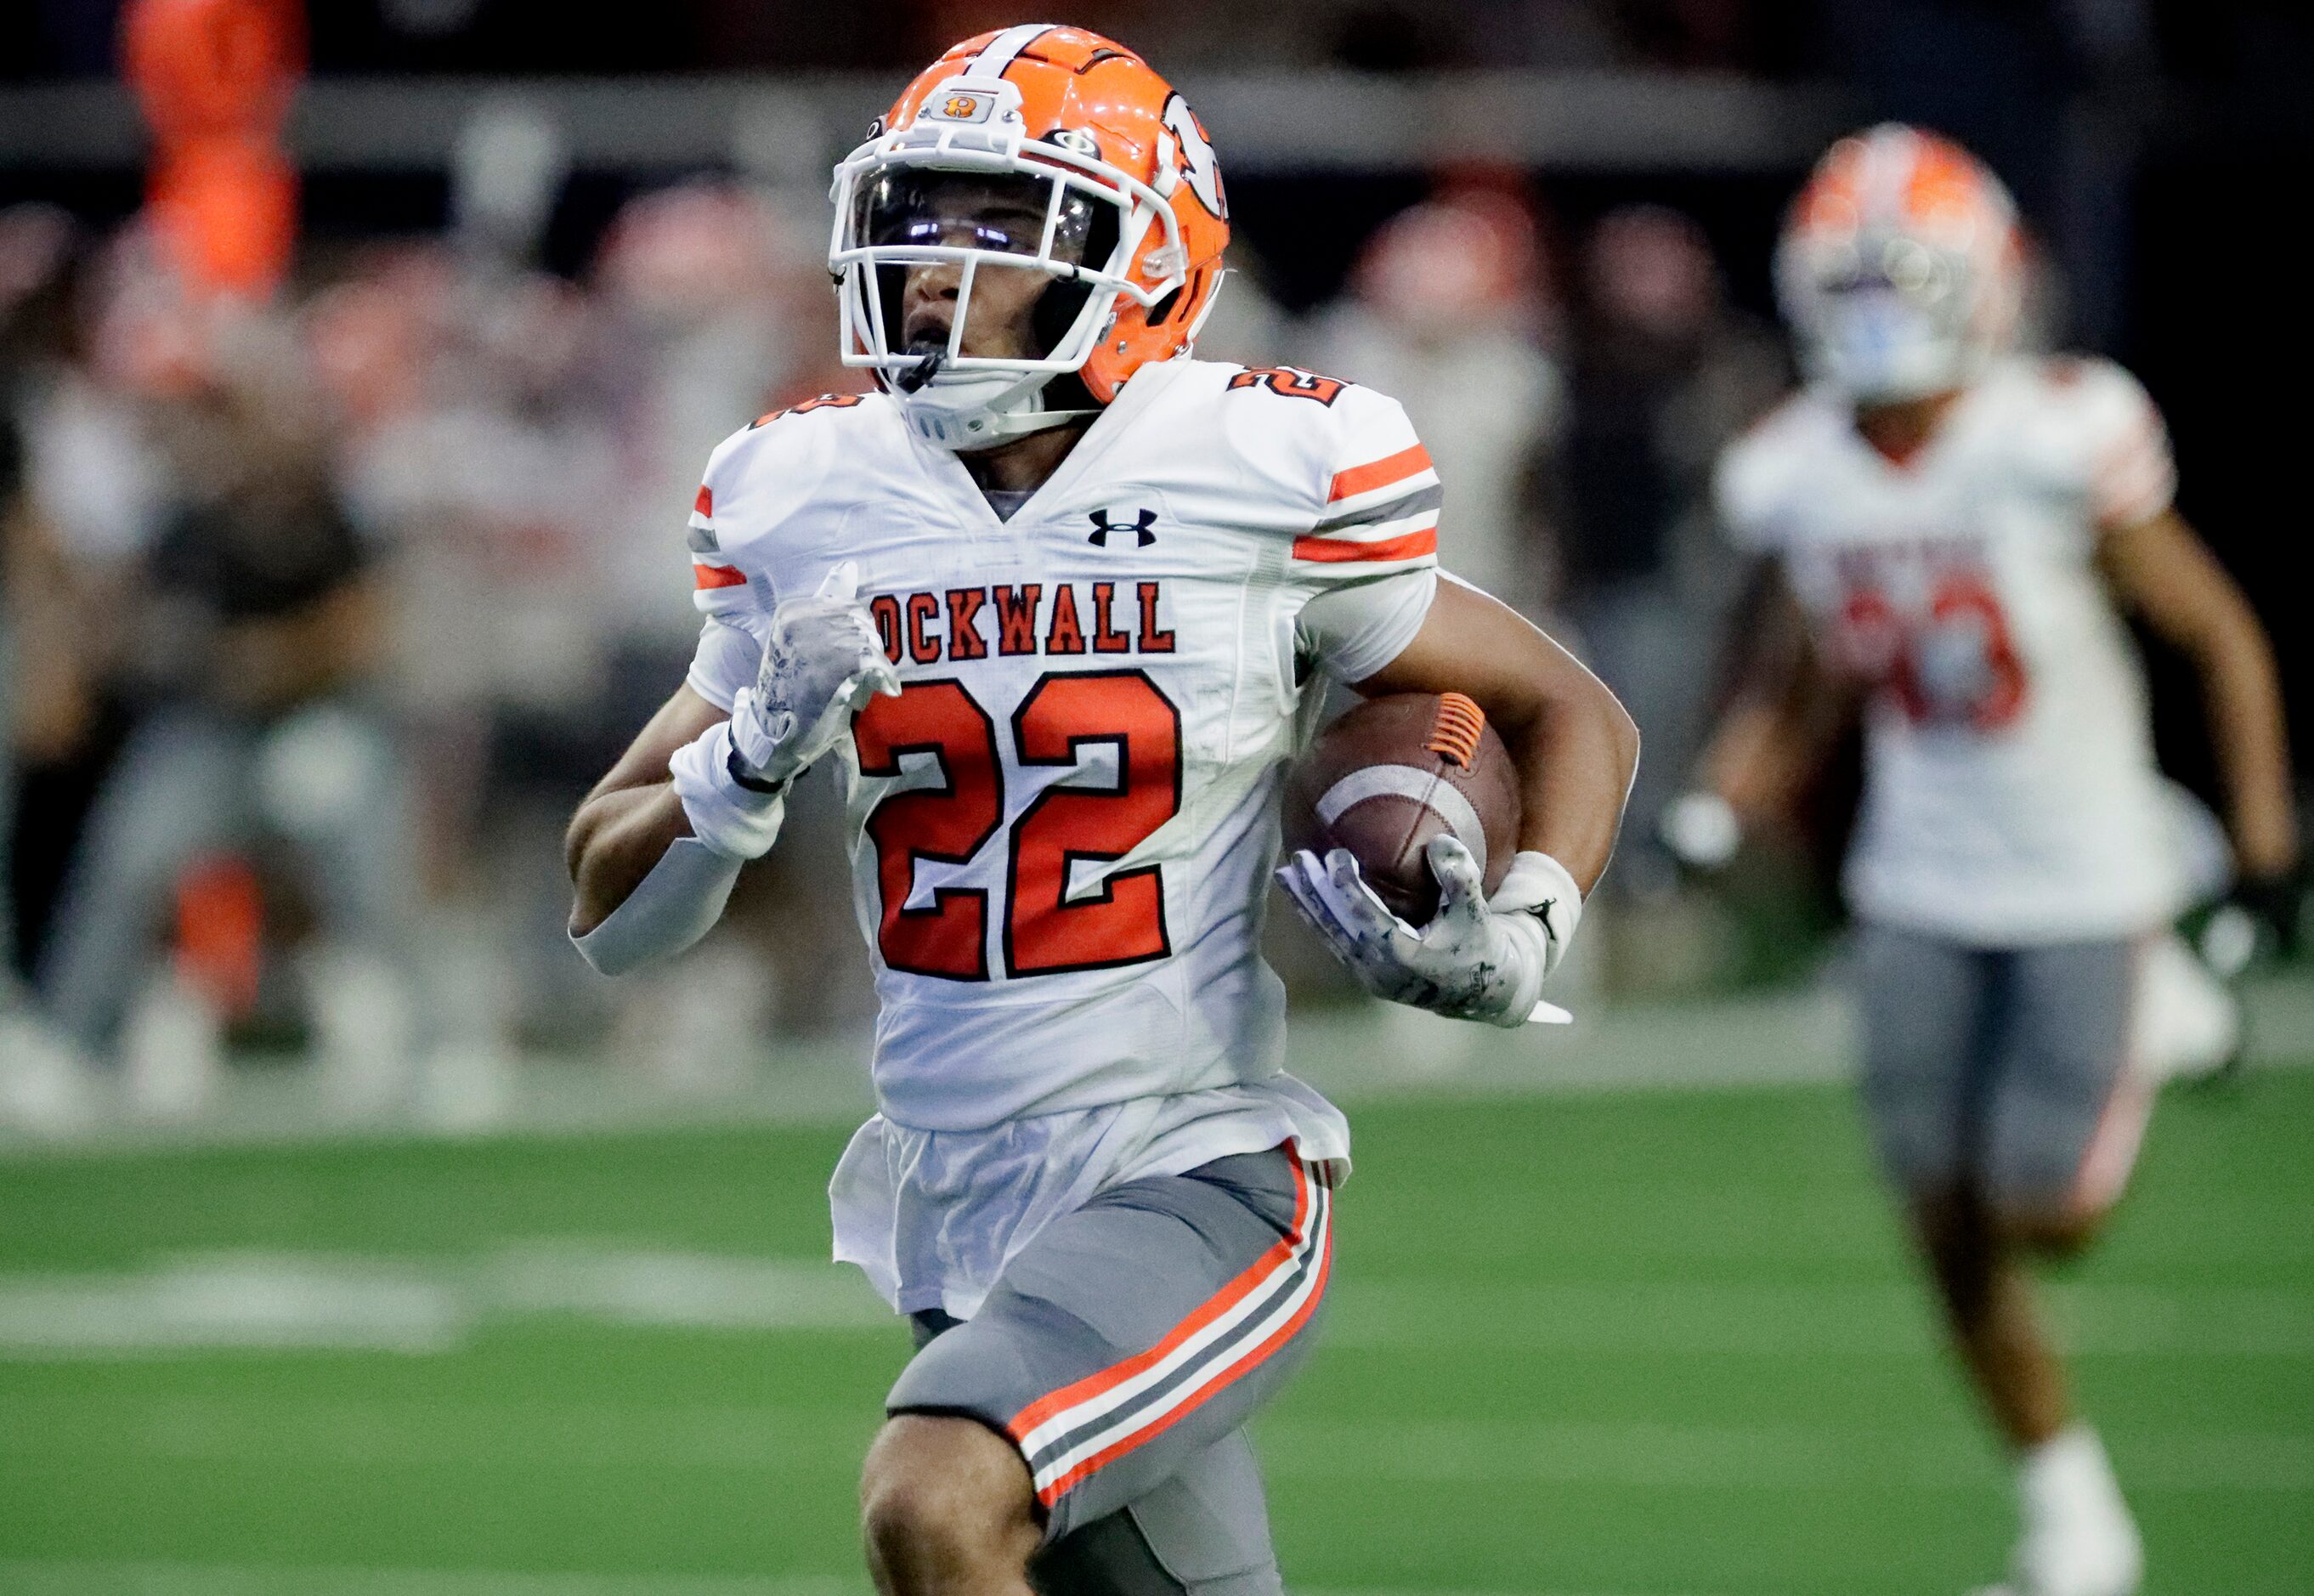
(1048, 929)
(1954, 663)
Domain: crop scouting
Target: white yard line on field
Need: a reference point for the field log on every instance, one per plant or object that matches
(353, 1301)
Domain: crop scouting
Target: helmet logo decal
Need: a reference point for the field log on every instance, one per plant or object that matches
(963, 108)
(1197, 163)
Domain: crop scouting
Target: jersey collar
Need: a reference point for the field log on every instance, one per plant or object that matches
(972, 506)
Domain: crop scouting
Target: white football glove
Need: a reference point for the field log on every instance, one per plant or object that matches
(822, 663)
(1701, 830)
(1475, 959)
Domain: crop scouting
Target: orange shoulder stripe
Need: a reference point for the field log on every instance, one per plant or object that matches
(1379, 473)
(1412, 546)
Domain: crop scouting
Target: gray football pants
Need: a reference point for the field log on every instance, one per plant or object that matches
(1123, 1351)
(2002, 1073)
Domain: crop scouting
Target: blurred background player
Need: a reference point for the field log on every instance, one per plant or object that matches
(1089, 1184)
(1956, 531)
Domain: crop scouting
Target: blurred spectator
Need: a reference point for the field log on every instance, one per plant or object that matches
(248, 631)
(1447, 307)
(21, 270)
(1663, 373)
(711, 302)
(716, 304)
(477, 453)
(33, 241)
(44, 708)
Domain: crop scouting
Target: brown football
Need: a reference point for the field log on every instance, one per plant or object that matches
(1392, 773)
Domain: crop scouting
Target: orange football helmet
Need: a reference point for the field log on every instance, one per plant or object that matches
(1900, 270)
(1106, 185)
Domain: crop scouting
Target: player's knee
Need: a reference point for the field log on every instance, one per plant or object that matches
(943, 1500)
(2055, 1233)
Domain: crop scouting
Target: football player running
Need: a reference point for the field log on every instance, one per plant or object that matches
(1955, 530)
(1058, 600)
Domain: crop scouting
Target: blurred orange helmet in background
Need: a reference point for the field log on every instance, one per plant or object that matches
(1900, 270)
(1134, 221)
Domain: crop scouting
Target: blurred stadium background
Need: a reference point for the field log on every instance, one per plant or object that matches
(358, 361)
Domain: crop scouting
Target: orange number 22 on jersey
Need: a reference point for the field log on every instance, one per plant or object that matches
(1048, 929)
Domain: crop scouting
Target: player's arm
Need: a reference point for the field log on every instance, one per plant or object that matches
(1483, 957)
(1382, 619)
(1787, 710)
(626, 824)
(1572, 744)
(655, 848)
(2161, 570)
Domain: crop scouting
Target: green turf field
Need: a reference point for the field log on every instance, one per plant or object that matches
(1636, 1345)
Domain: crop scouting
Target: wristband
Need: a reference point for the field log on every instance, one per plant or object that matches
(725, 814)
(1539, 885)
(737, 769)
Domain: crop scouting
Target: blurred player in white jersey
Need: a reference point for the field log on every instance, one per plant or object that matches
(1057, 598)
(1957, 531)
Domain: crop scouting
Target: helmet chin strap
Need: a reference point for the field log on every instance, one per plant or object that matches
(951, 415)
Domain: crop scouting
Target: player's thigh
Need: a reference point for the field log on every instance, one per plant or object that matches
(1202, 1531)
(1138, 1332)
(2068, 1109)
(1926, 1004)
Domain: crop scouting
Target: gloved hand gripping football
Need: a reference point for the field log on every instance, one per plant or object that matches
(822, 663)
(1477, 959)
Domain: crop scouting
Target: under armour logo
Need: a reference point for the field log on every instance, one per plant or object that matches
(1139, 527)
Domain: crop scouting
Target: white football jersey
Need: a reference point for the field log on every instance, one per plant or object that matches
(2010, 790)
(1062, 831)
